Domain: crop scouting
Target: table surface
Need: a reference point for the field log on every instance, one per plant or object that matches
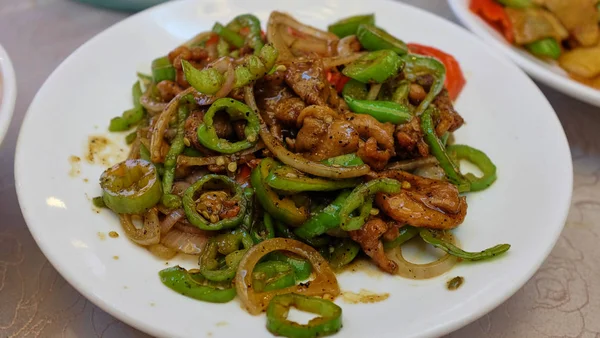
(561, 300)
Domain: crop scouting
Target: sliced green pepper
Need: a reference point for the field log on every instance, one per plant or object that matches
(406, 233)
(131, 137)
(453, 250)
(349, 26)
(302, 268)
(348, 160)
(170, 200)
(547, 47)
(400, 95)
(98, 202)
(267, 231)
(132, 116)
(130, 187)
(181, 281)
(324, 220)
(383, 111)
(162, 69)
(289, 179)
(220, 269)
(209, 80)
(283, 209)
(228, 35)
(222, 48)
(516, 3)
(207, 134)
(373, 38)
(478, 158)
(284, 231)
(361, 197)
(436, 148)
(342, 253)
(272, 275)
(254, 36)
(189, 203)
(329, 322)
(374, 67)
(419, 65)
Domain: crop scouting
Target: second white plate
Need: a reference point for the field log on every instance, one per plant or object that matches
(552, 75)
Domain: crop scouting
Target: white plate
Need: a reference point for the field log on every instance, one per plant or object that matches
(550, 74)
(8, 92)
(526, 207)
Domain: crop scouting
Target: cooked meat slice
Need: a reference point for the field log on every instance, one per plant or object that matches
(269, 91)
(369, 239)
(288, 109)
(410, 143)
(449, 119)
(307, 79)
(423, 202)
(379, 145)
(324, 134)
(168, 90)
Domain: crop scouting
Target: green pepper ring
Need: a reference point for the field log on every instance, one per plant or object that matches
(232, 259)
(123, 200)
(329, 322)
(189, 205)
(181, 281)
(374, 67)
(272, 275)
(478, 158)
(207, 135)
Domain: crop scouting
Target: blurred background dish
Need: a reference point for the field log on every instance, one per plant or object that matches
(8, 92)
(124, 5)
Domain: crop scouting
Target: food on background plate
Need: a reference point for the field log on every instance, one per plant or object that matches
(567, 31)
(279, 157)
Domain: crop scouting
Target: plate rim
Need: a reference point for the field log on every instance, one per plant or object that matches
(9, 92)
(559, 82)
(449, 326)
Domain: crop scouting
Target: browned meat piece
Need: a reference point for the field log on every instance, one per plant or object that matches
(238, 128)
(369, 239)
(425, 81)
(194, 55)
(307, 79)
(324, 134)
(409, 137)
(220, 122)
(423, 202)
(268, 92)
(379, 145)
(449, 119)
(288, 109)
(168, 90)
(417, 93)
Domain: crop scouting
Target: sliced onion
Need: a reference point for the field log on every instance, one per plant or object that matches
(295, 160)
(423, 271)
(341, 60)
(374, 91)
(409, 165)
(152, 106)
(432, 171)
(346, 45)
(162, 124)
(228, 84)
(221, 64)
(286, 20)
(255, 302)
(162, 251)
(190, 229)
(187, 243)
(170, 220)
(148, 234)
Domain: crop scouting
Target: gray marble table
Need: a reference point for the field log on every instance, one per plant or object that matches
(561, 300)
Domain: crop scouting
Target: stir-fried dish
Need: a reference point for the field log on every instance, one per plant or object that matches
(564, 30)
(280, 157)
